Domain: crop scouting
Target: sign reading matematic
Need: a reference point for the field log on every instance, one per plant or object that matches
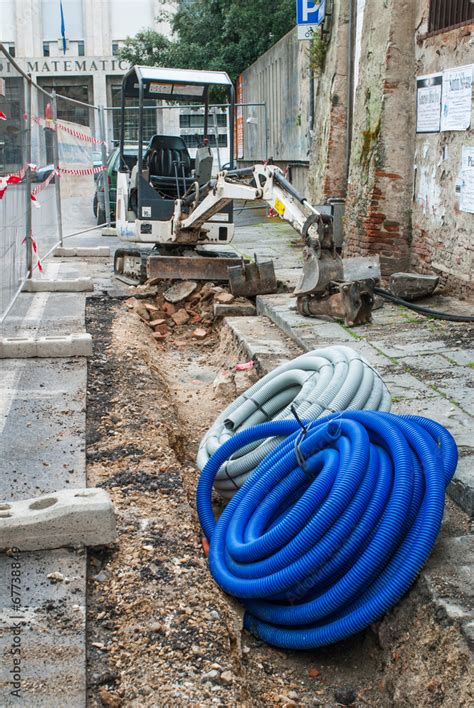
(428, 103)
(309, 15)
(457, 98)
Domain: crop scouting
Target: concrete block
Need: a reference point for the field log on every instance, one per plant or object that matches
(82, 252)
(72, 517)
(72, 285)
(109, 231)
(70, 345)
(412, 286)
(234, 309)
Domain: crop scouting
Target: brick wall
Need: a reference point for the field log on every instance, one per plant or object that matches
(378, 205)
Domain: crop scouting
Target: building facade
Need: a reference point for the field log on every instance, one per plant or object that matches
(89, 69)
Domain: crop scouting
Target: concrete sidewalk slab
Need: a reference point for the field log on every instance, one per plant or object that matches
(76, 517)
(42, 314)
(44, 622)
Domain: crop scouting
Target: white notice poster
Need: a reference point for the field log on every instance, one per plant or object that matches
(466, 202)
(457, 98)
(428, 103)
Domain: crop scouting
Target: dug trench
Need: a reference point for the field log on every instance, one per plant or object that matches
(159, 631)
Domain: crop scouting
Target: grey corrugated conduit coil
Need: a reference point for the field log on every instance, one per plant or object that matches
(315, 384)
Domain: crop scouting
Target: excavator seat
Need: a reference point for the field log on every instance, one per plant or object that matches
(169, 164)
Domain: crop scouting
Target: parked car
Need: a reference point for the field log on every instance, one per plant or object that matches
(42, 173)
(98, 206)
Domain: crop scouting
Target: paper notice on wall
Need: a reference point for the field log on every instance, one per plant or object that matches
(457, 98)
(466, 200)
(428, 103)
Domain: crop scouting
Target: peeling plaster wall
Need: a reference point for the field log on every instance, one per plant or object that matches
(443, 236)
(327, 175)
(379, 195)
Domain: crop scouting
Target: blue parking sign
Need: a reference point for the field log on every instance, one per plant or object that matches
(310, 12)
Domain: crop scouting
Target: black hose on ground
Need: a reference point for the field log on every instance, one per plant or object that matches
(422, 310)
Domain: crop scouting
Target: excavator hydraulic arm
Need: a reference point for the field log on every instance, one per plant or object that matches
(329, 285)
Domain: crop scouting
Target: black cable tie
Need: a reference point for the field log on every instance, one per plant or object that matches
(224, 467)
(298, 419)
(259, 407)
(300, 458)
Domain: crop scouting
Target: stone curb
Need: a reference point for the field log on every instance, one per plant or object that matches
(73, 285)
(109, 231)
(69, 345)
(82, 252)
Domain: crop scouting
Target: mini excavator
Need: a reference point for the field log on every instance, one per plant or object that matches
(172, 203)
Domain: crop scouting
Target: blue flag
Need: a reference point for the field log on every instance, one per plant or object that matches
(63, 29)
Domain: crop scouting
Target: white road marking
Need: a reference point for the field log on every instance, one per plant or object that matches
(11, 378)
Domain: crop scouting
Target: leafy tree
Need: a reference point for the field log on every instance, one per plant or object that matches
(224, 35)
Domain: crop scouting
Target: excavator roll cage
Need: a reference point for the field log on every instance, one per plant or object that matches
(166, 173)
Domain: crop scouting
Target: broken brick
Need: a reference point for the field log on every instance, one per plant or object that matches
(200, 333)
(155, 323)
(151, 308)
(142, 312)
(169, 309)
(180, 317)
(224, 298)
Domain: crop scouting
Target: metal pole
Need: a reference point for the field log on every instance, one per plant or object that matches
(140, 149)
(265, 120)
(57, 179)
(231, 126)
(216, 135)
(104, 163)
(28, 216)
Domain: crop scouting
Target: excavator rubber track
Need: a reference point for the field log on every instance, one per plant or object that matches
(130, 265)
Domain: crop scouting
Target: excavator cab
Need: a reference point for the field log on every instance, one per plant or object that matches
(167, 181)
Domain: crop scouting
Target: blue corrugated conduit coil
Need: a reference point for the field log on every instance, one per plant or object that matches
(314, 384)
(333, 526)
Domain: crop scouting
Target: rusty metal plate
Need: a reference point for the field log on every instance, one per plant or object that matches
(189, 267)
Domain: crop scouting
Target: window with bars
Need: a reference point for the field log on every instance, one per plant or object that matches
(445, 14)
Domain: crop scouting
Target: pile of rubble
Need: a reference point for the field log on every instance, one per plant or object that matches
(188, 308)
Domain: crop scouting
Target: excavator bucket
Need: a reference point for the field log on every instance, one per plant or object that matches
(309, 279)
(250, 279)
(318, 271)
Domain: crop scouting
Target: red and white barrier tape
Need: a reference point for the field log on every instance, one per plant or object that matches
(14, 178)
(79, 135)
(83, 171)
(35, 251)
(53, 124)
(39, 187)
